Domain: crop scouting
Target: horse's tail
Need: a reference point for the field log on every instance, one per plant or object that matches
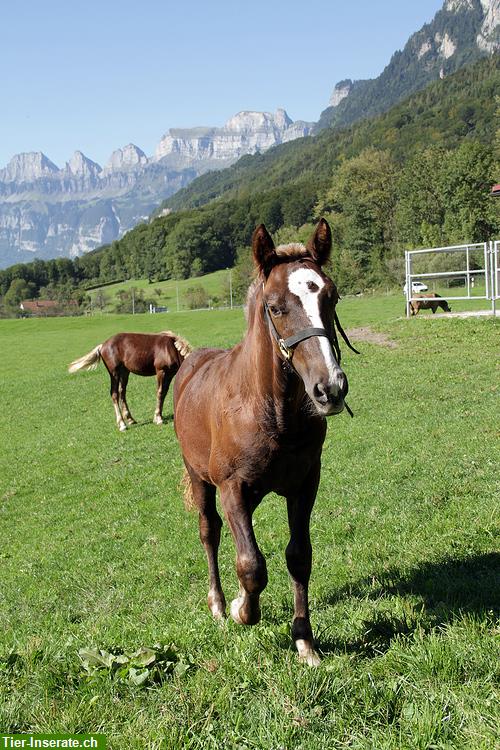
(88, 361)
(183, 347)
(187, 491)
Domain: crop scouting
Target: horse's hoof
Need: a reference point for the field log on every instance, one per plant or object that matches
(235, 611)
(307, 654)
(218, 613)
(236, 606)
(131, 421)
(123, 427)
(217, 605)
(158, 420)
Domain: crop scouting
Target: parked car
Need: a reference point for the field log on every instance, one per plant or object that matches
(417, 286)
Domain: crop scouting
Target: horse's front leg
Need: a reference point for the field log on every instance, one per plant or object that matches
(123, 397)
(250, 563)
(210, 527)
(299, 561)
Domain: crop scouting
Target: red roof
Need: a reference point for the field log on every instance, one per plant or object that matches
(495, 190)
(43, 305)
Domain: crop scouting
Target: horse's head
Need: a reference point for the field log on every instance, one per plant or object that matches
(299, 302)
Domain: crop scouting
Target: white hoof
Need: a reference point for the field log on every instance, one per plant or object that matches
(307, 654)
(218, 613)
(122, 427)
(158, 420)
(235, 610)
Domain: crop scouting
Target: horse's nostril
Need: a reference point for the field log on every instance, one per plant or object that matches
(321, 393)
(331, 392)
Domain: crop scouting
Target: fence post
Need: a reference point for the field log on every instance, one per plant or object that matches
(408, 283)
(494, 280)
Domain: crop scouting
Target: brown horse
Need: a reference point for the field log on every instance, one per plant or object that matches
(159, 354)
(426, 304)
(251, 420)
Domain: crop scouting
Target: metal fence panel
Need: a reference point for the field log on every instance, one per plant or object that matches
(490, 271)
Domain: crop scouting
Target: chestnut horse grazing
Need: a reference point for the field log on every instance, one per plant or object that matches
(159, 354)
(251, 420)
(428, 304)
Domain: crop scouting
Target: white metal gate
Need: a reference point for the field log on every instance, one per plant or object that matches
(489, 272)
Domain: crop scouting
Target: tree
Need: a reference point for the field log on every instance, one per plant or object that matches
(100, 299)
(196, 297)
(18, 290)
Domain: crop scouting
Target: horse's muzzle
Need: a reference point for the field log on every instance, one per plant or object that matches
(329, 397)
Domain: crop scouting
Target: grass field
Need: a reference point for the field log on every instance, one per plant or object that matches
(216, 285)
(97, 552)
(172, 294)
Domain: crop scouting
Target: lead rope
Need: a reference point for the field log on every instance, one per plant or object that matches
(337, 349)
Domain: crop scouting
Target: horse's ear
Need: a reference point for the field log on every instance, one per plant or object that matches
(320, 244)
(264, 254)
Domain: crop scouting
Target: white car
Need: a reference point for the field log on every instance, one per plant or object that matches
(417, 286)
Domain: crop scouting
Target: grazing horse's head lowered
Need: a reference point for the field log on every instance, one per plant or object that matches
(251, 420)
(299, 304)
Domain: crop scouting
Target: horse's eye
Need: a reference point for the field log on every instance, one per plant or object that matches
(275, 311)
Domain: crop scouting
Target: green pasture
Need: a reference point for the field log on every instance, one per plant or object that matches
(97, 553)
(171, 293)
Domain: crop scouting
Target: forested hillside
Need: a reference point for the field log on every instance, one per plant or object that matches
(418, 175)
(438, 49)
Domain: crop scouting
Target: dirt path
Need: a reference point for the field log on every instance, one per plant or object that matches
(365, 333)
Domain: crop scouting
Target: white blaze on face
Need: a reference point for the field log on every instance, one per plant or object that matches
(306, 284)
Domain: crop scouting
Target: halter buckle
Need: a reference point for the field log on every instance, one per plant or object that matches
(285, 350)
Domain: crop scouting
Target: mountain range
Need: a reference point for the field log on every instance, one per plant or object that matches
(47, 211)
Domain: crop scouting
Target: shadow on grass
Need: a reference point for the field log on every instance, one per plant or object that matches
(447, 589)
(167, 419)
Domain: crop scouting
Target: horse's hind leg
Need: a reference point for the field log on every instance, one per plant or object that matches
(250, 563)
(115, 380)
(210, 526)
(163, 381)
(299, 560)
(122, 391)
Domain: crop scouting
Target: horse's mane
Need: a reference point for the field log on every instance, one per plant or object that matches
(292, 251)
(183, 347)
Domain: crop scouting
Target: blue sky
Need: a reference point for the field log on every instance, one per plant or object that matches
(96, 75)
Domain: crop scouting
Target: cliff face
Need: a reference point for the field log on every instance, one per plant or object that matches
(47, 212)
(460, 33)
(245, 133)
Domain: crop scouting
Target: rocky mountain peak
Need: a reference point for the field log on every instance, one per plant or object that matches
(81, 166)
(340, 91)
(255, 121)
(282, 119)
(488, 38)
(27, 167)
(128, 157)
(246, 132)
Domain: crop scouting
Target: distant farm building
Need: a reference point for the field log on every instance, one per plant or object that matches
(45, 307)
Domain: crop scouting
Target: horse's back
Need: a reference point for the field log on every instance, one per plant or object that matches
(140, 353)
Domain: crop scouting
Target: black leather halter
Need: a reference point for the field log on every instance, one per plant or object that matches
(287, 346)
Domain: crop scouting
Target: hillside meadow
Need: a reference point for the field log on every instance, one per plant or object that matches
(103, 618)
